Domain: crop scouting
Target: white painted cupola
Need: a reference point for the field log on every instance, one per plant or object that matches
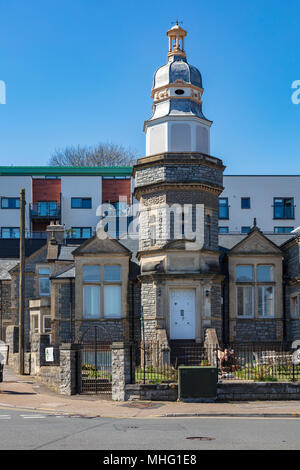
(177, 123)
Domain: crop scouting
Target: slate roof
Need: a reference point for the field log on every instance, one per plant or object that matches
(5, 266)
(229, 240)
(68, 272)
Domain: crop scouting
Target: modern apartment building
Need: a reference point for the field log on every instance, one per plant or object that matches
(67, 195)
(273, 200)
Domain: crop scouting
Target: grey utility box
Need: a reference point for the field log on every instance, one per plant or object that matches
(197, 383)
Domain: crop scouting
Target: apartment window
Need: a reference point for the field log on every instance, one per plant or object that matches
(10, 203)
(110, 289)
(81, 232)
(223, 208)
(47, 324)
(245, 203)
(10, 232)
(46, 208)
(265, 301)
(283, 229)
(81, 202)
(244, 273)
(44, 281)
(284, 208)
(245, 301)
(35, 323)
(295, 307)
(245, 229)
(223, 230)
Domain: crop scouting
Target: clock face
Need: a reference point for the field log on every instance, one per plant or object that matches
(179, 92)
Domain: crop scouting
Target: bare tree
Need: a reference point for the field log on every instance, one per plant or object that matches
(98, 155)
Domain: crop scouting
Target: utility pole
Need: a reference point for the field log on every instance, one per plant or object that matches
(22, 282)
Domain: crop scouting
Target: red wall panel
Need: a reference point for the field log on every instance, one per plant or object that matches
(46, 190)
(112, 189)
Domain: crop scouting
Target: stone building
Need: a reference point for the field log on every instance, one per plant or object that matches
(180, 277)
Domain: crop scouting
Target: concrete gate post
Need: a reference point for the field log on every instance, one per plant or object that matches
(122, 369)
(70, 369)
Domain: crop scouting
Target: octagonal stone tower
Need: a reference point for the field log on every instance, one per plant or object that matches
(177, 185)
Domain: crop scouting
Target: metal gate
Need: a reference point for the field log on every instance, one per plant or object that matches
(96, 362)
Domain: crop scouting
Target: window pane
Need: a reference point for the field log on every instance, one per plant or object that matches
(112, 301)
(245, 229)
(265, 273)
(86, 203)
(245, 202)
(15, 233)
(91, 273)
(75, 233)
(112, 273)
(91, 301)
(244, 273)
(44, 283)
(223, 208)
(4, 203)
(47, 324)
(35, 323)
(265, 301)
(86, 232)
(44, 271)
(244, 301)
(75, 202)
(283, 229)
(5, 233)
(223, 229)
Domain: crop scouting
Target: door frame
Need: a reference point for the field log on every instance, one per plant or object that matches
(186, 284)
(171, 291)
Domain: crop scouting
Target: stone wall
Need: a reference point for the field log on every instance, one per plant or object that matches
(50, 376)
(5, 310)
(70, 367)
(258, 391)
(122, 370)
(161, 392)
(270, 391)
(258, 330)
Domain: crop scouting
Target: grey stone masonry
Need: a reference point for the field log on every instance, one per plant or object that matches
(257, 330)
(183, 167)
(122, 367)
(70, 365)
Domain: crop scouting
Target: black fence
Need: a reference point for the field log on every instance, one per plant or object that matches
(270, 363)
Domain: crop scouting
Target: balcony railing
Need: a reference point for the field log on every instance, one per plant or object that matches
(45, 210)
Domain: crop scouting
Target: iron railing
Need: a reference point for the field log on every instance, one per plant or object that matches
(156, 364)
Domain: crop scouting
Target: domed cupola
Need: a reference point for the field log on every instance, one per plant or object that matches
(177, 96)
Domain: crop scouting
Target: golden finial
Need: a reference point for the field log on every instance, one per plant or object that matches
(176, 37)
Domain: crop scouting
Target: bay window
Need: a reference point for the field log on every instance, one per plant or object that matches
(255, 290)
(102, 291)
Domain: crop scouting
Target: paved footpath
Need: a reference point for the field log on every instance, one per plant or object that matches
(25, 392)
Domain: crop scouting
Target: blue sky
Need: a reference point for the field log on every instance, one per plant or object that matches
(80, 72)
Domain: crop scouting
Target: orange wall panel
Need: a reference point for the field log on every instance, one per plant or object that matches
(46, 190)
(112, 189)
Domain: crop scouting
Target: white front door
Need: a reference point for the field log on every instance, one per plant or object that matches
(182, 314)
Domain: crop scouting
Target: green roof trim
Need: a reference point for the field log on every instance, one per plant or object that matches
(65, 171)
